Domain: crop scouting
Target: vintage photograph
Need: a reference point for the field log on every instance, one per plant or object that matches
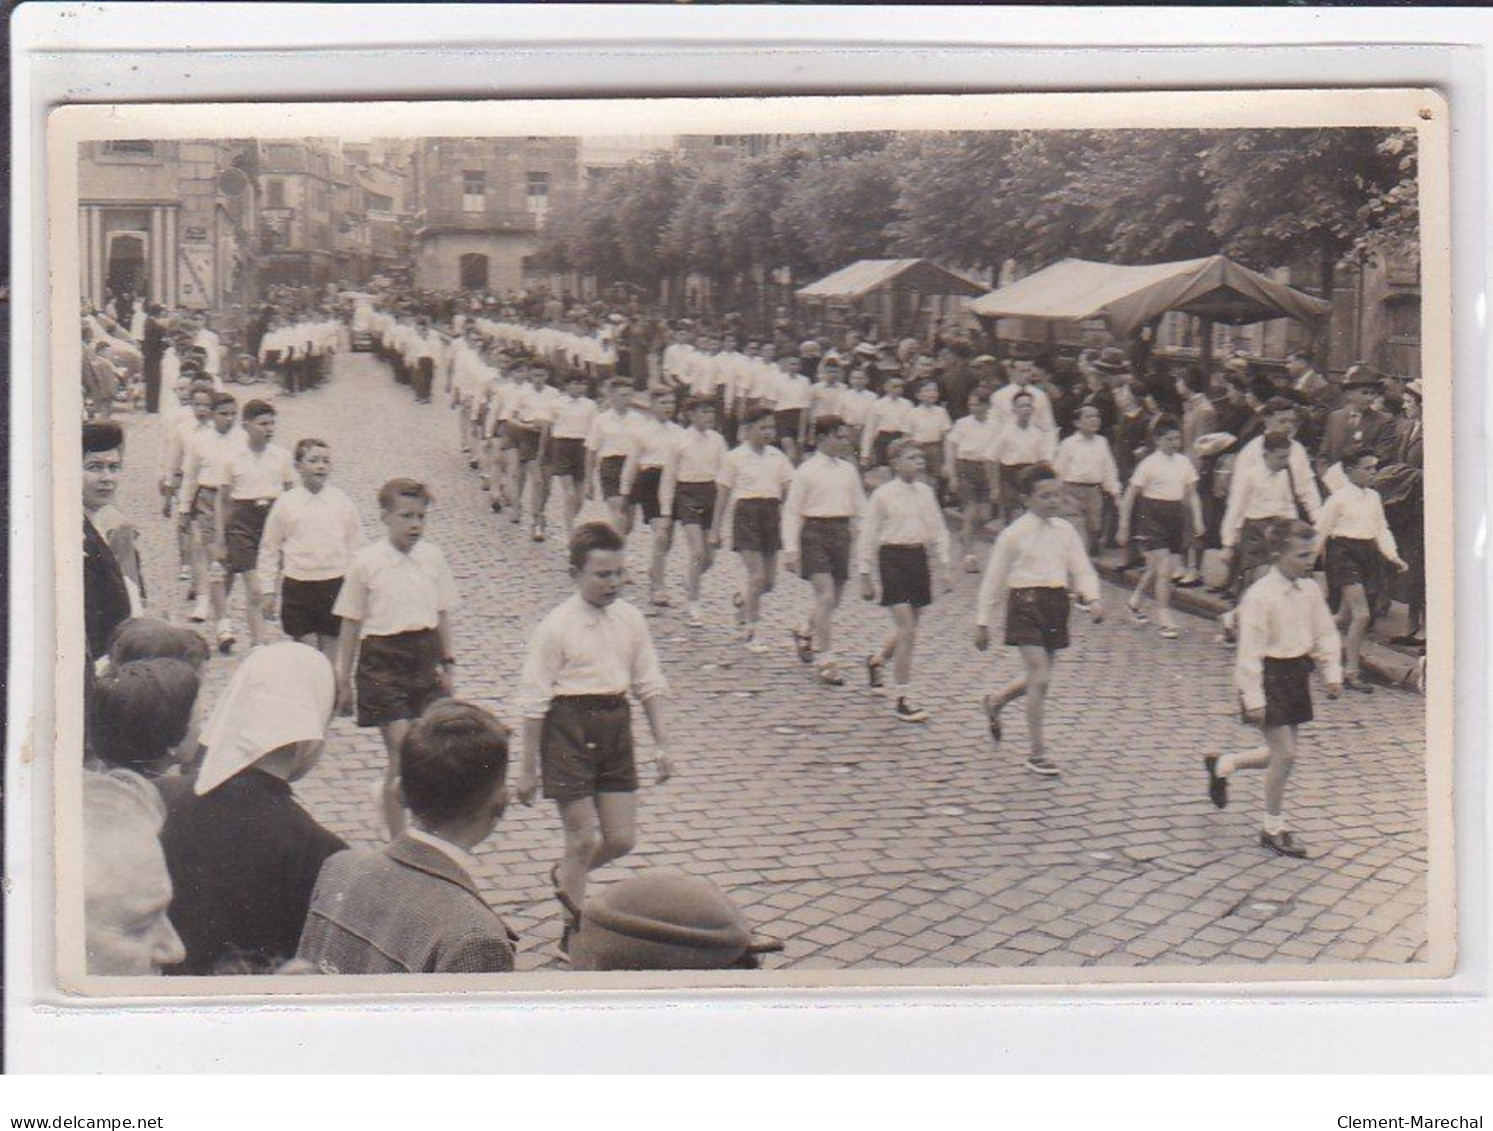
(936, 543)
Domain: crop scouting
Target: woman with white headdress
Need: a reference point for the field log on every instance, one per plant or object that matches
(243, 855)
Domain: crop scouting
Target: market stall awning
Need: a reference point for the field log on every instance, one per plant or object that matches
(867, 275)
(1075, 290)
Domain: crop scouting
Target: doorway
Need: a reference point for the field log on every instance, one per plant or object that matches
(473, 268)
(126, 271)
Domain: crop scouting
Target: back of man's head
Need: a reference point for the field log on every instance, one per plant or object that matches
(452, 762)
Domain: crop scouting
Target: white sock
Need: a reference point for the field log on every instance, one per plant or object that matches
(1273, 823)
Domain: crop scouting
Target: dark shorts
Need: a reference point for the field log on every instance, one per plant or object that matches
(645, 492)
(525, 441)
(585, 747)
(1161, 525)
(398, 676)
(306, 607)
(205, 503)
(694, 504)
(757, 525)
(788, 422)
(567, 456)
(1354, 561)
(242, 531)
(824, 547)
(1288, 691)
(609, 471)
(933, 458)
(1037, 616)
(905, 579)
(1010, 481)
(973, 480)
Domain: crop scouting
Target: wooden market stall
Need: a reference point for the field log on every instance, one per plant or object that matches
(903, 297)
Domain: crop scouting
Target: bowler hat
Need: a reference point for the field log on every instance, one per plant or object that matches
(1111, 359)
(1359, 377)
(662, 920)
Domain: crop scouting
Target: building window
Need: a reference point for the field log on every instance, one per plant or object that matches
(135, 148)
(275, 191)
(473, 191)
(539, 193)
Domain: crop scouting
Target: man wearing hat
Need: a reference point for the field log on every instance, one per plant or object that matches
(1356, 424)
(106, 597)
(1112, 363)
(660, 920)
(1305, 379)
(152, 350)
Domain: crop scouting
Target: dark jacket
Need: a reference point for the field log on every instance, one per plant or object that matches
(243, 861)
(1375, 431)
(106, 600)
(406, 909)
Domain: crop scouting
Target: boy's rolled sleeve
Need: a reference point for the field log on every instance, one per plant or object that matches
(1249, 667)
(352, 598)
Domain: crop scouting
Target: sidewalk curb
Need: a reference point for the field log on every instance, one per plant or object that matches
(1380, 664)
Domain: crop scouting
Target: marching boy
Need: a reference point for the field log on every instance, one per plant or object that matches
(1284, 630)
(315, 530)
(582, 660)
(252, 480)
(1037, 559)
(395, 608)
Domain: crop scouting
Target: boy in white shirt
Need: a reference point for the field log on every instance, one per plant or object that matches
(889, 419)
(395, 605)
(582, 661)
(614, 434)
(903, 520)
(532, 410)
(856, 403)
(750, 487)
(1020, 444)
(314, 530)
(1037, 558)
(1165, 483)
(204, 471)
(565, 452)
(927, 425)
(642, 478)
(967, 452)
(1358, 545)
(793, 394)
(1086, 465)
(1284, 630)
(253, 479)
(687, 492)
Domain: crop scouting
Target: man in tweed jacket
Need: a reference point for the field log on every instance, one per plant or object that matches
(413, 907)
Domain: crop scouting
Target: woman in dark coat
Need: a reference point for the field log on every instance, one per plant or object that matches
(243, 855)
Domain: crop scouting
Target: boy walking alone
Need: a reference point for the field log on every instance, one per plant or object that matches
(577, 732)
(395, 607)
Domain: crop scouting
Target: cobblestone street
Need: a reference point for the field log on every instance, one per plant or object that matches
(864, 842)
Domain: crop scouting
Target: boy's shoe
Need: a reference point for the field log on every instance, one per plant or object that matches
(738, 602)
(1040, 763)
(805, 645)
(200, 611)
(538, 533)
(971, 564)
(517, 516)
(1218, 788)
(1283, 844)
(1137, 614)
(660, 598)
(876, 672)
(184, 574)
(472, 464)
(756, 647)
(910, 714)
(1169, 632)
(992, 719)
(1189, 580)
(1356, 683)
(829, 675)
(226, 639)
(692, 617)
(496, 504)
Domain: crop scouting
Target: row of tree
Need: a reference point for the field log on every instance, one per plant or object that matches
(975, 200)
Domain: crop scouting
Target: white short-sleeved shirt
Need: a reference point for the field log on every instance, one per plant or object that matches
(1164, 477)
(259, 475)
(392, 592)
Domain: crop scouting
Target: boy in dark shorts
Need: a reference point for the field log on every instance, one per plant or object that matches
(582, 660)
(314, 531)
(642, 475)
(825, 500)
(687, 491)
(903, 520)
(565, 450)
(395, 606)
(1163, 493)
(1285, 629)
(252, 480)
(1037, 559)
(750, 488)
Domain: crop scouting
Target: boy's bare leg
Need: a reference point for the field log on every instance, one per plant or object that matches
(821, 618)
(255, 613)
(1039, 662)
(1356, 603)
(698, 562)
(393, 812)
(662, 539)
(903, 641)
(572, 503)
(756, 585)
(598, 830)
(1162, 568)
(1282, 744)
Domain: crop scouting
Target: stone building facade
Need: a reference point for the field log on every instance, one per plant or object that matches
(167, 221)
(478, 205)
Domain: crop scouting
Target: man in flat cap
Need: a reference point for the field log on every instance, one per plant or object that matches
(1356, 424)
(106, 597)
